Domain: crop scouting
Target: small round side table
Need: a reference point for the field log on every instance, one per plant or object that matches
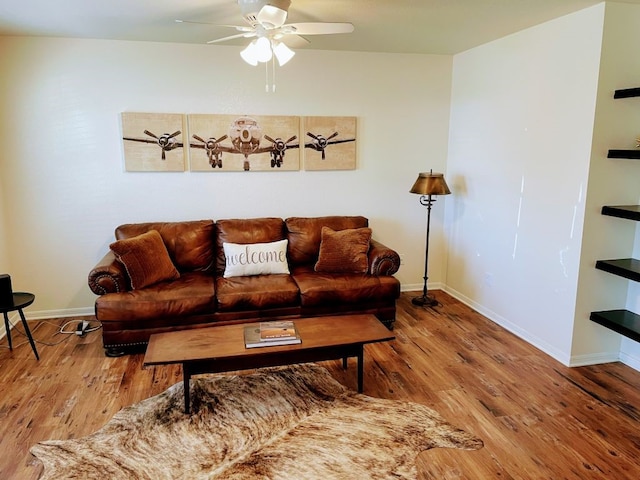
(20, 301)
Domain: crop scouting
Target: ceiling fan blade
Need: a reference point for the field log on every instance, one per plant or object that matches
(240, 35)
(237, 27)
(293, 41)
(316, 28)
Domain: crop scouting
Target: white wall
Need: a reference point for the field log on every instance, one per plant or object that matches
(63, 182)
(612, 182)
(520, 143)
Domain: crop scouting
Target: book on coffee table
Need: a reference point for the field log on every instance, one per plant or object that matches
(277, 330)
(252, 339)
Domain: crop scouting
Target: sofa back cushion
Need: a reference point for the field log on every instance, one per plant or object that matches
(243, 231)
(305, 234)
(189, 244)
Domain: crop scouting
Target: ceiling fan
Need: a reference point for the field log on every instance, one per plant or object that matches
(266, 25)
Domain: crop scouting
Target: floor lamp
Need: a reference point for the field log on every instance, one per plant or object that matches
(427, 185)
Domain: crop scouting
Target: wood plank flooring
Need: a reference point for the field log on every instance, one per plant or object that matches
(537, 418)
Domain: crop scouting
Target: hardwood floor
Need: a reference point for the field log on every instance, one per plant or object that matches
(537, 418)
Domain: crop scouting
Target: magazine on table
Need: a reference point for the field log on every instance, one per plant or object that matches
(277, 330)
(252, 339)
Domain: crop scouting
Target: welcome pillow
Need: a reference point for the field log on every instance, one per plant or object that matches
(255, 258)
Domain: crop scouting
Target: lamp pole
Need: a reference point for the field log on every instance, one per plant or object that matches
(428, 185)
(425, 300)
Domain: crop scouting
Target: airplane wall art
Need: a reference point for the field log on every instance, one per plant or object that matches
(244, 142)
(237, 142)
(153, 142)
(330, 143)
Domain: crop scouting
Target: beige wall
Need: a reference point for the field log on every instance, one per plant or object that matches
(65, 190)
(521, 128)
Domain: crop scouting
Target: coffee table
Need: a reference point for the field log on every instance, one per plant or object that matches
(221, 349)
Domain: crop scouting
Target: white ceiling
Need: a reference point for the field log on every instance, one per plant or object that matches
(398, 26)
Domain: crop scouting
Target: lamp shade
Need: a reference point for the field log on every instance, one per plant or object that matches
(429, 183)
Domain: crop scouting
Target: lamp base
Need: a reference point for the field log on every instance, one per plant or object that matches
(424, 301)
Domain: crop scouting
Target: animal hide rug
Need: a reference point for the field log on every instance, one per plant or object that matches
(293, 422)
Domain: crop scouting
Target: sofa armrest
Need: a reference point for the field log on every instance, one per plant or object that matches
(108, 276)
(382, 259)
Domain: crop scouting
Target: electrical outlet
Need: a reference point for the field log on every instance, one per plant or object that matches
(401, 258)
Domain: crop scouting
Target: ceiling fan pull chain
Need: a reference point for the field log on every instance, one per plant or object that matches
(273, 74)
(266, 77)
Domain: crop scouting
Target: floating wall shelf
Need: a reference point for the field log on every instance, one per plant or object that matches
(632, 154)
(623, 267)
(627, 92)
(630, 212)
(622, 321)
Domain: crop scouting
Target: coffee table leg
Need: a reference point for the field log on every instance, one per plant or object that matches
(360, 368)
(186, 376)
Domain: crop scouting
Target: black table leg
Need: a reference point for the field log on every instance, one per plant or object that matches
(7, 328)
(360, 368)
(28, 332)
(186, 376)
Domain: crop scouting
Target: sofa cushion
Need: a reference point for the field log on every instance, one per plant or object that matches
(190, 243)
(193, 293)
(305, 233)
(145, 258)
(255, 258)
(326, 289)
(256, 293)
(253, 230)
(344, 251)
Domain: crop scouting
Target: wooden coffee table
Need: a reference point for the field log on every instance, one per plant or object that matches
(221, 349)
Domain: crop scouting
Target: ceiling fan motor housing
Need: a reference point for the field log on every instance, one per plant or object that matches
(251, 8)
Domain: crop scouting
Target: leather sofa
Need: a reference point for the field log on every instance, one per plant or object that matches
(199, 294)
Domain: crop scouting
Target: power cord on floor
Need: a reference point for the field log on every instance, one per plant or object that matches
(83, 327)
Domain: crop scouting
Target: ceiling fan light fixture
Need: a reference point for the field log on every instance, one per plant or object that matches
(282, 53)
(249, 54)
(272, 17)
(263, 49)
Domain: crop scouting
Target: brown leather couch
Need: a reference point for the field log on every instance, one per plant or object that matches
(202, 297)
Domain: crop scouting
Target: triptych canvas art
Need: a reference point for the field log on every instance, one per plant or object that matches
(157, 142)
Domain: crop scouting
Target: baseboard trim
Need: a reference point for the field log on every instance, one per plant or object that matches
(537, 342)
(30, 315)
(630, 360)
(417, 287)
(594, 359)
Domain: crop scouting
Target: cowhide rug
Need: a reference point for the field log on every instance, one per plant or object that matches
(280, 423)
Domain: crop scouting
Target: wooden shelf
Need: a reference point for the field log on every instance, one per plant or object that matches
(632, 154)
(630, 212)
(627, 93)
(623, 322)
(623, 267)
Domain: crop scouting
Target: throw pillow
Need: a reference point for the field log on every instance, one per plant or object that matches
(255, 258)
(344, 251)
(146, 259)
